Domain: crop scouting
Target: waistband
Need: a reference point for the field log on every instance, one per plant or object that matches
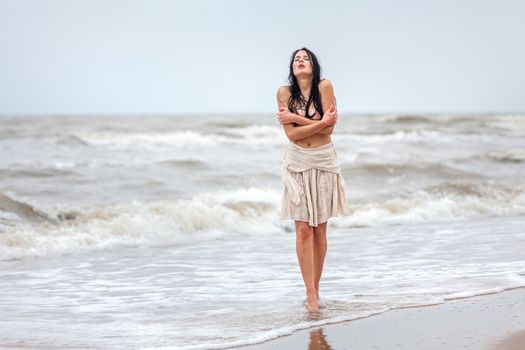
(306, 149)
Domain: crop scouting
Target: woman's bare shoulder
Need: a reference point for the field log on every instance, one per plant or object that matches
(284, 90)
(325, 83)
(283, 93)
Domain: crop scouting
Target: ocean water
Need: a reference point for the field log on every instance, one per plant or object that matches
(163, 232)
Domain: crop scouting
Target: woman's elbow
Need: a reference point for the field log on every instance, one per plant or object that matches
(291, 136)
(329, 130)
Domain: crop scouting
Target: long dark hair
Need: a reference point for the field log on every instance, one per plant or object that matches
(296, 101)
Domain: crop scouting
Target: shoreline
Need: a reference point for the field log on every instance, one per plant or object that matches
(491, 321)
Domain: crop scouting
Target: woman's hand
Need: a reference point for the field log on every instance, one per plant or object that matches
(285, 116)
(330, 117)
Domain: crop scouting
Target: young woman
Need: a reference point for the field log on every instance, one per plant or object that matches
(314, 189)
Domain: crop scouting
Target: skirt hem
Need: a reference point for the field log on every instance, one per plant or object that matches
(308, 222)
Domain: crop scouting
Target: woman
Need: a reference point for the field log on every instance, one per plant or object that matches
(314, 189)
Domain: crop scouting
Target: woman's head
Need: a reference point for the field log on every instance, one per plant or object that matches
(304, 65)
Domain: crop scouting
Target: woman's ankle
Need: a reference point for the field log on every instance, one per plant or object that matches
(311, 291)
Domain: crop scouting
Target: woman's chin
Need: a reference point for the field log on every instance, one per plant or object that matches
(303, 74)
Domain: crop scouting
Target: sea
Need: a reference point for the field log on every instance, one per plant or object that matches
(163, 231)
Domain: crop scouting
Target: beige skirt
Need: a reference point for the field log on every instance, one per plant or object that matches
(319, 188)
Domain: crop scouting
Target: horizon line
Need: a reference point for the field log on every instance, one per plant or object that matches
(180, 114)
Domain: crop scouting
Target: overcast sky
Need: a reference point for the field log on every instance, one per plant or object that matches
(161, 56)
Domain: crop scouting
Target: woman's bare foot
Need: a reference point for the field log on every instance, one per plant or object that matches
(312, 302)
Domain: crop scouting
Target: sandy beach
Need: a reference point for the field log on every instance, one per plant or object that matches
(485, 322)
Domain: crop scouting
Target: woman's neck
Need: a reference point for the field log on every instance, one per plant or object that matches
(305, 84)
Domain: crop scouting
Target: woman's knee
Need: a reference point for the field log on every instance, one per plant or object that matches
(304, 232)
(320, 230)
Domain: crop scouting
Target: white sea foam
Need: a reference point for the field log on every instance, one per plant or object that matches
(511, 122)
(215, 294)
(141, 139)
(249, 135)
(207, 216)
(246, 211)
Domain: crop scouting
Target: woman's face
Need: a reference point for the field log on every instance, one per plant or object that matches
(302, 64)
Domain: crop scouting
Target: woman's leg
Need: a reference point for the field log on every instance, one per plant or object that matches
(305, 254)
(320, 246)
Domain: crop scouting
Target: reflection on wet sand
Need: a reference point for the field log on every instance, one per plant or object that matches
(318, 340)
(514, 341)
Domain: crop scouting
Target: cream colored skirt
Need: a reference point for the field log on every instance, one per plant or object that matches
(319, 188)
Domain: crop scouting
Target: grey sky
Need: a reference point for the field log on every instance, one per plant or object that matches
(126, 56)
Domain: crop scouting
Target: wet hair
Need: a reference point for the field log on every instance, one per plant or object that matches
(296, 99)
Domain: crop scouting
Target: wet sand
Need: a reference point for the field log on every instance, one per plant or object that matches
(486, 322)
